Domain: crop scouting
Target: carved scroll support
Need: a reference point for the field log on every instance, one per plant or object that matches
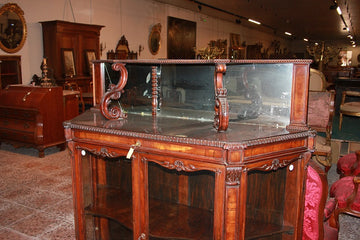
(221, 119)
(114, 93)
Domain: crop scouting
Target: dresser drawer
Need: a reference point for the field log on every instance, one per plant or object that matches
(20, 130)
(18, 136)
(21, 114)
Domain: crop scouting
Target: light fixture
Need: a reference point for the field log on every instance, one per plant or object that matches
(306, 40)
(287, 33)
(334, 6)
(254, 21)
(338, 10)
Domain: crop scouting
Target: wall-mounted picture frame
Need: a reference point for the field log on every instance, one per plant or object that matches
(68, 62)
(90, 55)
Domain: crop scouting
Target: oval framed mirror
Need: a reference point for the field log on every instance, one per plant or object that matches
(13, 29)
(154, 39)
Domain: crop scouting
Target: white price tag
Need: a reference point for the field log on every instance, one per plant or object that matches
(130, 153)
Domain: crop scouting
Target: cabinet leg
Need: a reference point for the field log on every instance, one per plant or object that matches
(41, 153)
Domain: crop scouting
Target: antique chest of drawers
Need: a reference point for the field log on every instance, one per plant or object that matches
(32, 116)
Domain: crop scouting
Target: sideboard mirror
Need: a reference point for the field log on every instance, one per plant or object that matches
(12, 28)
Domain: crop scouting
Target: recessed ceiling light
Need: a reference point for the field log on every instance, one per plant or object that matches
(306, 40)
(287, 33)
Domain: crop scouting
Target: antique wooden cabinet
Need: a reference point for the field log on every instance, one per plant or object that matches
(10, 70)
(69, 47)
(189, 149)
(32, 116)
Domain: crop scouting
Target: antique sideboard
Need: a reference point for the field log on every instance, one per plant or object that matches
(192, 149)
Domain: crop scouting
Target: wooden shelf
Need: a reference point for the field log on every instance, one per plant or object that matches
(170, 220)
(256, 230)
(167, 220)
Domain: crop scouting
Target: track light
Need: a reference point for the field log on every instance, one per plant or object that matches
(338, 10)
(334, 6)
(254, 21)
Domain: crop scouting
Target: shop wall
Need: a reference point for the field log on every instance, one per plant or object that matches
(132, 18)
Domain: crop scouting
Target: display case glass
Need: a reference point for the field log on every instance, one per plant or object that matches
(257, 93)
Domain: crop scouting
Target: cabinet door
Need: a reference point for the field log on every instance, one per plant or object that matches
(185, 199)
(104, 207)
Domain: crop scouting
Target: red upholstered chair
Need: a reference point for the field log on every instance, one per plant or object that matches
(349, 165)
(315, 198)
(344, 198)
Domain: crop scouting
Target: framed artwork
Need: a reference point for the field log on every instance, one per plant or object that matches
(68, 62)
(89, 57)
(181, 40)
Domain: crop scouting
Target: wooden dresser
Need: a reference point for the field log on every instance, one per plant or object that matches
(32, 116)
(165, 165)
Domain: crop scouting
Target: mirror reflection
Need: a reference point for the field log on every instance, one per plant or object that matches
(12, 28)
(256, 93)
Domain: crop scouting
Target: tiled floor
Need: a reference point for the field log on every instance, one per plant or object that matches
(35, 195)
(36, 198)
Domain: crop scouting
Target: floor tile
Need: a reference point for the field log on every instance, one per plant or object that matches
(9, 234)
(36, 224)
(13, 212)
(64, 231)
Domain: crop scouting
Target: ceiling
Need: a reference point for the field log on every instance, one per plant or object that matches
(310, 19)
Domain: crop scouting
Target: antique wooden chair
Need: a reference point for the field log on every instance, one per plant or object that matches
(350, 108)
(73, 86)
(317, 80)
(320, 118)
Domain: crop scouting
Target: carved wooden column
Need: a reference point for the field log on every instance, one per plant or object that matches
(154, 88)
(235, 203)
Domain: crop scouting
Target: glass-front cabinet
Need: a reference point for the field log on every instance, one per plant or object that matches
(192, 149)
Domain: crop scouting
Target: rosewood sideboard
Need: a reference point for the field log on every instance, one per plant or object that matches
(190, 149)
